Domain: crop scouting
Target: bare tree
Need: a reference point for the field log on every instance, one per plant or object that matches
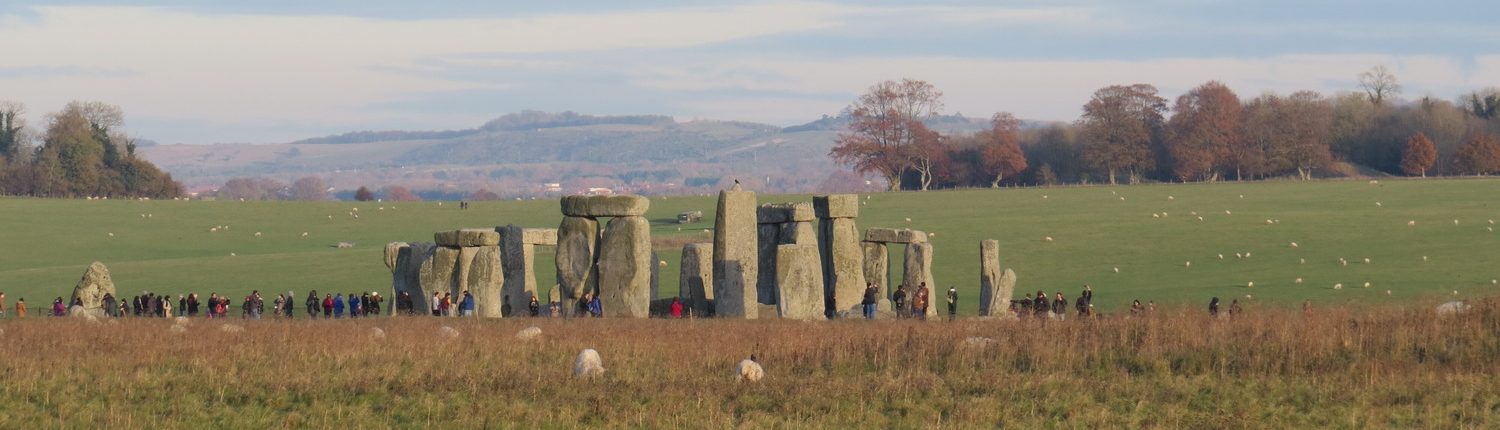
(1379, 84)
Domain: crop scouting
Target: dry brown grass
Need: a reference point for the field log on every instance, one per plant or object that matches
(1373, 367)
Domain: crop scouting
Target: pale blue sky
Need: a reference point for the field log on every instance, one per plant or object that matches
(274, 71)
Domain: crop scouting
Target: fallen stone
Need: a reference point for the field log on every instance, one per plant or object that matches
(696, 280)
(892, 235)
(86, 313)
(229, 328)
(736, 262)
(799, 276)
(588, 364)
(605, 206)
(91, 288)
(836, 206)
(529, 333)
(577, 238)
(447, 332)
(1452, 308)
(625, 266)
(376, 333)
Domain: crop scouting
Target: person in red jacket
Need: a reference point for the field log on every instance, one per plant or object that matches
(676, 307)
(327, 306)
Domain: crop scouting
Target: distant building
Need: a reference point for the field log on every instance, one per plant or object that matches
(600, 191)
(552, 187)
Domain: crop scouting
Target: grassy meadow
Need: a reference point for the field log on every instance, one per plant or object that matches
(1367, 366)
(1094, 229)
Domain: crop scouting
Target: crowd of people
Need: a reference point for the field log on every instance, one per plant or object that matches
(334, 306)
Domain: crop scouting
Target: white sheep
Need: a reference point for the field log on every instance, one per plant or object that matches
(304, 234)
(1367, 284)
(1250, 284)
(1200, 218)
(1367, 260)
(1338, 286)
(1227, 212)
(1187, 264)
(1377, 204)
(1221, 256)
(1117, 270)
(376, 333)
(1412, 223)
(257, 234)
(1294, 244)
(1455, 222)
(1298, 281)
(1171, 198)
(529, 333)
(588, 364)
(448, 332)
(1047, 239)
(111, 234)
(749, 371)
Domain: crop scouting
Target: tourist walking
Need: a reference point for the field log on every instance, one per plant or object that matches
(109, 305)
(21, 307)
(872, 296)
(445, 307)
(436, 304)
(1234, 308)
(595, 308)
(535, 307)
(312, 304)
(354, 306)
(327, 306)
(192, 307)
(338, 306)
(166, 308)
(287, 307)
(676, 308)
(58, 309)
(466, 306)
(2, 304)
(276, 306)
(1213, 307)
(583, 306)
(1039, 305)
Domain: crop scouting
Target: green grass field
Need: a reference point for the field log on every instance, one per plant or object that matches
(50, 242)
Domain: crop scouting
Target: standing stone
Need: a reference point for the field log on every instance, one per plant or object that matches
(408, 275)
(799, 232)
(735, 261)
(391, 251)
(465, 262)
(877, 266)
(766, 241)
(656, 264)
(439, 273)
(625, 268)
(92, 287)
(993, 296)
(577, 238)
(918, 271)
(843, 265)
(519, 257)
(485, 280)
(696, 280)
(800, 278)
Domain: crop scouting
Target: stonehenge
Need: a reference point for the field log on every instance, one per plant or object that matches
(618, 264)
(995, 287)
(519, 250)
(779, 224)
(917, 267)
(842, 255)
(735, 261)
(696, 279)
(92, 287)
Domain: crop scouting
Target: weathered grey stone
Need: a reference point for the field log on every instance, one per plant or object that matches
(93, 315)
(605, 206)
(800, 232)
(577, 238)
(696, 280)
(877, 266)
(892, 235)
(836, 206)
(625, 268)
(843, 265)
(919, 271)
(531, 236)
(439, 273)
(485, 280)
(407, 276)
(519, 260)
(994, 293)
(799, 276)
(768, 237)
(735, 256)
(391, 251)
(656, 263)
(465, 261)
(467, 237)
(92, 287)
(777, 213)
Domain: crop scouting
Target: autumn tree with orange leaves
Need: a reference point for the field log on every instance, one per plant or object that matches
(1202, 131)
(886, 129)
(1001, 151)
(1118, 127)
(1420, 155)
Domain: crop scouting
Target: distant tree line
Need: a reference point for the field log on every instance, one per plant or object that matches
(1130, 133)
(83, 152)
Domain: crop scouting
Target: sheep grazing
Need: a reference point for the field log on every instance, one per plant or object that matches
(1171, 198)
(1424, 258)
(908, 220)
(1117, 270)
(662, 263)
(1367, 260)
(1155, 215)
(1412, 223)
(257, 234)
(1221, 256)
(1047, 239)
(1387, 292)
(1247, 255)
(1367, 285)
(1493, 282)
(1377, 204)
(1250, 284)
(1122, 198)
(749, 371)
(232, 254)
(1239, 255)
(1200, 218)
(1294, 244)
(304, 234)
(1044, 196)
(1242, 196)
(1193, 213)
(376, 333)
(1227, 212)
(1301, 261)
(213, 230)
(111, 234)
(1338, 286)
(1269, 222)
(330, 217)
(1187, 264)
(1492, 222)
(588, 364)
(1298, 281)
(448, 332)
(1455, 222)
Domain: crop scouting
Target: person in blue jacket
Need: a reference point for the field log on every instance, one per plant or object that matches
(467, 305)
(596, 310)
(338, 306)
(353, 306)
